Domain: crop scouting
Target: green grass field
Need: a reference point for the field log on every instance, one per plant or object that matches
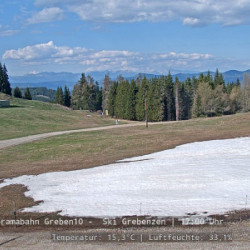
(25, 117)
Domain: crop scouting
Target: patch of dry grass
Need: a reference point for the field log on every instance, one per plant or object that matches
(89, 149)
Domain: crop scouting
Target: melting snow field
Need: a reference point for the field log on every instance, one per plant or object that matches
(210, 176)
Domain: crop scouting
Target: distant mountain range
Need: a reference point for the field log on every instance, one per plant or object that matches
(52, 80)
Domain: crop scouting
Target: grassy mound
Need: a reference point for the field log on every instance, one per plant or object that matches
(25, 117)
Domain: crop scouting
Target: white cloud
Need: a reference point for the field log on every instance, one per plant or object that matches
(191, 21)
(33, 72)
(46, 15)
(7, 32)
(54, 2)
(113, 60)
(189, 12)
(29, 53)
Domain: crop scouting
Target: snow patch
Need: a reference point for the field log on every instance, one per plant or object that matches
(211, 176)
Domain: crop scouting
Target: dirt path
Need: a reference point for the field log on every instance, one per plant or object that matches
(30, 138)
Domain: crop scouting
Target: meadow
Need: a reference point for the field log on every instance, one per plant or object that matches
(26, 117)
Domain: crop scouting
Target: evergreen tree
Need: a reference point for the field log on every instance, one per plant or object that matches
(230, 86)
(59, 96)
(66, 97)
(201, 78)
(17, 93)
(86, 94)
(111, 99)
(27, 94)
(195, 83)
(219, 100)
(92, 94)
(184, 104)
(181, 100)
(121, 99)
(118, 101)
(98, 97)
(140, 100)
(77, 93)
(238, 82)
(155, 102)
(86, 101)
(120, 79)
(4, 80)
(208, 78)
(169, 104)
(177, 104)
(197, 108)
(83, 81)
(189, 92)
(1, 77)
(131, 101)
(76, 97)
(89, 92)
(218, 79)
(126, 98)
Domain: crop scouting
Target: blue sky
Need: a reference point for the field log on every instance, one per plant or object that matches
(152, 36)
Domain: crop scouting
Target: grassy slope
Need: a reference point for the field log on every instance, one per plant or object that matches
(34, 117)
(84, 150)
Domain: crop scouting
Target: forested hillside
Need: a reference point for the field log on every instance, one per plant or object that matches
(42, 94)
(165, 98)
(155, 99)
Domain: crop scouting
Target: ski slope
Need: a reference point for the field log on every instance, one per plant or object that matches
(202, 177)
